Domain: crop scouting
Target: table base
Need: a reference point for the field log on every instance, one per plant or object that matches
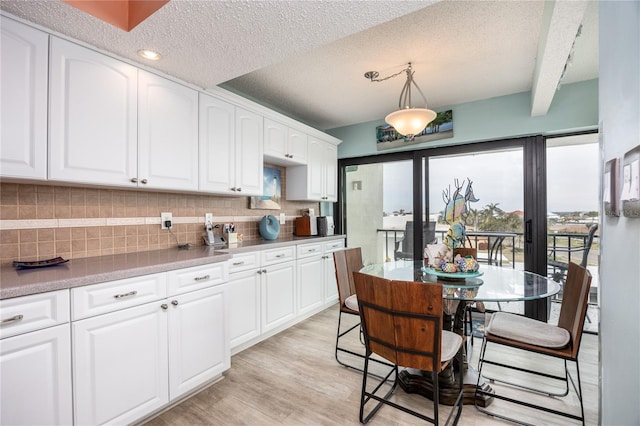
(415, 381)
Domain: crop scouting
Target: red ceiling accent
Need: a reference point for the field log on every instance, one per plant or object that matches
(124, 14)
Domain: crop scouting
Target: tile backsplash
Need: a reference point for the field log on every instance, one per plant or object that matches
(43, 221)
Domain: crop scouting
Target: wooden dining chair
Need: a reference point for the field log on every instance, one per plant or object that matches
(402, 323)
(560, 342)
(346, 263)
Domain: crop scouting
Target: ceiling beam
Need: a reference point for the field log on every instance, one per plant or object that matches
(560, 23)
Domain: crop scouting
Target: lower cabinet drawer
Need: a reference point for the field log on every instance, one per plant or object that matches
(244, 261)
(29, 313)
(197, 277)
(273, 256)
(115, 295)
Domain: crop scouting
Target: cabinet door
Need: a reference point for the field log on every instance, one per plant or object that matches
(330, 172)
(92, 117)
(244, 306)
(276, 141)
(331, 285)
(35, 383)
(23, 79)
(297, 147)
(198, 338)
(217, 145)
(248, 150)
(120, 365)
(167, 134)
(315, 167)
(310, 284)
(278, 295)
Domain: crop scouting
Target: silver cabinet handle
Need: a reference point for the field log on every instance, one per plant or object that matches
(120, 296)
(264, 271)
(238, 263)
(239, 189)
(134, 180)
(144, 181)
(259, 271)
(280, 255)
(13, 319)
(164, 306)
(174, 302)
(312, 250)
(206, 277)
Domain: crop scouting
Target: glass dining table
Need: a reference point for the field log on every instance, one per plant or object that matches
(491, 283)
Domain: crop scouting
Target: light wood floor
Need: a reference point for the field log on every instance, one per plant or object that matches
(293, 379)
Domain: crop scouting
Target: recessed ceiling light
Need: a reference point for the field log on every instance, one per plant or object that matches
(149, 54)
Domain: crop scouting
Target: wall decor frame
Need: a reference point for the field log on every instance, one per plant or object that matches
(271, 191)
(440, 128)
(630, 193)
(611, 188)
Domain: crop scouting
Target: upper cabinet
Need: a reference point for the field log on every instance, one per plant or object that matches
(230, 148)
(317, 181)
(111, 124)
(93, 117)
(23, 82)
(284, 145)
(167, 133)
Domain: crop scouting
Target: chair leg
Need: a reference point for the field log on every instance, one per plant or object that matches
(339, 349)
(567, 377)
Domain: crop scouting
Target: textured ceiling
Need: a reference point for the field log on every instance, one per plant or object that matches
(307, 58)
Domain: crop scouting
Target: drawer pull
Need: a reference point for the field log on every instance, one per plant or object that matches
(131, 293)
(13, 319)
(280, 255)
(238, 263)
(164, 306)
(174, 302)
(206, 277)
(312, 250)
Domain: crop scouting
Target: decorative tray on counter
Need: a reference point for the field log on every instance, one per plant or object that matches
(39, 263)
(451, 276)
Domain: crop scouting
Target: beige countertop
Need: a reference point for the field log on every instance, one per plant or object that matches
(93, 270)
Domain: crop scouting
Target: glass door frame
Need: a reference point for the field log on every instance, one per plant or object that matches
(535, 208)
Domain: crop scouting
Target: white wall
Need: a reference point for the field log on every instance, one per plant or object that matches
(619, 99)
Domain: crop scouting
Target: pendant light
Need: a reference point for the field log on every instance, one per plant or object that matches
(407, 120)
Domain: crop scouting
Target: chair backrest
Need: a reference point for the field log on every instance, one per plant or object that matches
(401, 320)
(587, 245)
(428, 235)
(347, 262)
(575, 298)
(466, 251)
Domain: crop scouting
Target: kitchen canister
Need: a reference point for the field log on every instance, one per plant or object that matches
(269, 227)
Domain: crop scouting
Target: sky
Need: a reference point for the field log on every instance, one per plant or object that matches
(572, 179)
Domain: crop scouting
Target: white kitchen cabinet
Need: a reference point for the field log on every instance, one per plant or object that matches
(278, 294)
(244, 306)
(310, 283)
(23, 79)
(35, 360)
(230, 148)
(284, 145)
(121, 364)
(167, 134)
(316, 181)
(248, 150)
(92, 117)
(329, 270)
(198, 338)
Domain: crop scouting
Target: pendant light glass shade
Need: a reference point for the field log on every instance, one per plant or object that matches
(410, 121)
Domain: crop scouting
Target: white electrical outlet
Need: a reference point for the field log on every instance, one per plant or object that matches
(208, 218)
(166, 216)
(282, 216)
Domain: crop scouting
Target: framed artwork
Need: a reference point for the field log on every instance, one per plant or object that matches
(630, 193)
(271, 191)
(611, 188)
(440, 128)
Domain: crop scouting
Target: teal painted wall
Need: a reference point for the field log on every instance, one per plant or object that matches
(575, 107)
